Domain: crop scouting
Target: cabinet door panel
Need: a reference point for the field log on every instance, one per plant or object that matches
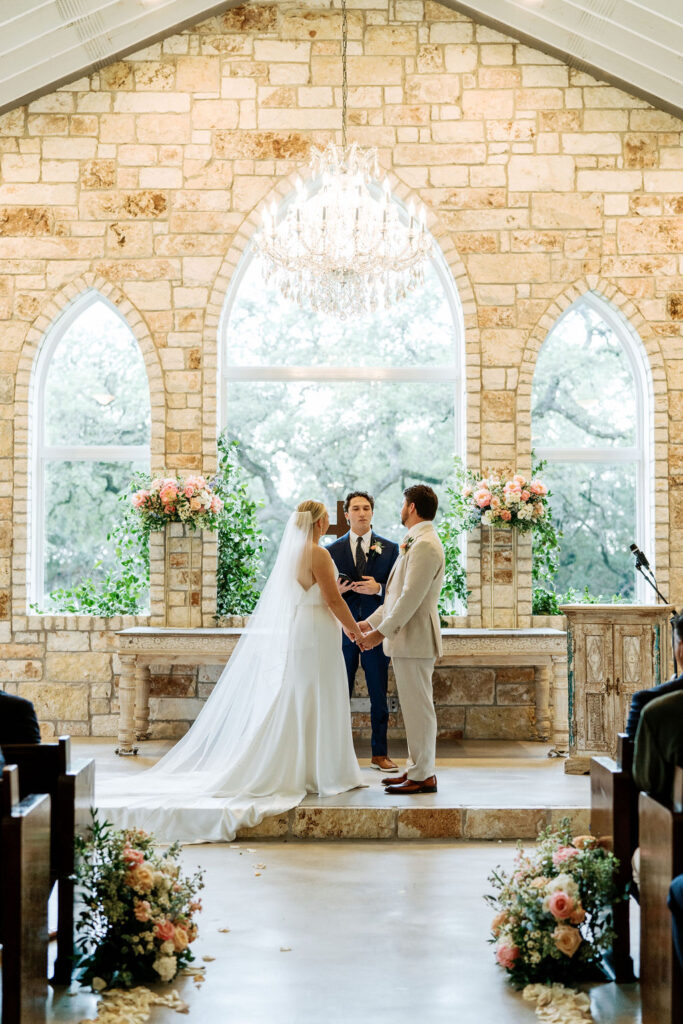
(633, 665)
(593, 709)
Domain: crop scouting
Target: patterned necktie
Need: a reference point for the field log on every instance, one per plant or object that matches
(361, 560)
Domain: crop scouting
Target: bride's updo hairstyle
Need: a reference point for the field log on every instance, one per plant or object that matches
(315, 509)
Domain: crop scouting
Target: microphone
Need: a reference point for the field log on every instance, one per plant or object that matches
(641, 560)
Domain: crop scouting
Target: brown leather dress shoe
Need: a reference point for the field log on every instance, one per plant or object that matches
(412, 786)
(394, 780)
(382, 763)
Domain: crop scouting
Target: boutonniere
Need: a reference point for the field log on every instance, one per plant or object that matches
(406, 544)
(377, 547)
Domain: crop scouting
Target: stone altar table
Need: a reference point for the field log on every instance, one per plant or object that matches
(544, 649)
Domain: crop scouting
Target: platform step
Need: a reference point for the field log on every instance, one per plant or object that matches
(415, 823)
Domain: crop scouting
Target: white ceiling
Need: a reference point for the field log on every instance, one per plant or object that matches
(637, 45)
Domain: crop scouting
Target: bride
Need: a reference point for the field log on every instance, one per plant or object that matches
(277, 725)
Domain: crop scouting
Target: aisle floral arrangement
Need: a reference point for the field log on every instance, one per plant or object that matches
(138, 911)
(500, 502)
(553, 919)
(176, 500)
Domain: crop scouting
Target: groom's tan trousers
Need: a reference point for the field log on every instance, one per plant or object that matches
(414, 684)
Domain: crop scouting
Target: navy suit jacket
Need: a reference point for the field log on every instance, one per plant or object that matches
(379, 566)
(18, 722)
(643, 697)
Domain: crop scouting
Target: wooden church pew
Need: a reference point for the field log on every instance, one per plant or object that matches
(614, 820)
(661, 860)
(24, 894)
(47, 768)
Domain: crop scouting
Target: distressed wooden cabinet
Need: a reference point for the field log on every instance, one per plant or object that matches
(613, 650)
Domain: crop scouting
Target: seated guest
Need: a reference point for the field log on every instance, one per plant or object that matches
(18, 722)
(659, 746)
(643, 697)
(675, 905)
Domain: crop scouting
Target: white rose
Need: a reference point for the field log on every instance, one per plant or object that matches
(525, 512)
(166, 967)
(563, 883)
(486, 519)
(167, 948)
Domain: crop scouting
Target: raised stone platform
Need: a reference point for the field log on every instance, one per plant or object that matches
(487, 790)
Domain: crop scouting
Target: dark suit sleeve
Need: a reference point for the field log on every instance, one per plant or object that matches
(30, 729)
(642, 698)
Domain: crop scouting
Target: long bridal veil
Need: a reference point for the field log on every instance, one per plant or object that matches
(177, 797)
(249, 686)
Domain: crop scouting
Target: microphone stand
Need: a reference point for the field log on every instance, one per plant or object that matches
(650, 578)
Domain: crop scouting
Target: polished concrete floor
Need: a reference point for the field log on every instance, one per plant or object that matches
(335, 933)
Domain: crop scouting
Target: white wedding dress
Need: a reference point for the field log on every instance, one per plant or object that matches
(276, 727)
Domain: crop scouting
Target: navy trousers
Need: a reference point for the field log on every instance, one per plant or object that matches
(376, 667)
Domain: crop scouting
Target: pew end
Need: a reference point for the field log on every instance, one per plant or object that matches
(25, 890)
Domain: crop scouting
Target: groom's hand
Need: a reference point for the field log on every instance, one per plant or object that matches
(372, 639)
(368, 585)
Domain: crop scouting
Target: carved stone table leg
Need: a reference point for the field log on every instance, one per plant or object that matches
(142, 682)
(542, 681)
(560, 708)
(127, 707)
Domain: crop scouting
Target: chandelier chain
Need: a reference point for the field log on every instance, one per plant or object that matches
(345, 84)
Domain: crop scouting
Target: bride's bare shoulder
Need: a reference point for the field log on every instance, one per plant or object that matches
(320, 557)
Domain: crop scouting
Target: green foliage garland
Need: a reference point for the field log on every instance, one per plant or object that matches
(240, 539)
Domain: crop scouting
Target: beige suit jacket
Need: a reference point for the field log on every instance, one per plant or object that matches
(409, 617)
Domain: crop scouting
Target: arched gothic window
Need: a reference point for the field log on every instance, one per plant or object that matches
(91, 432)
(321, 406)
(591, 408)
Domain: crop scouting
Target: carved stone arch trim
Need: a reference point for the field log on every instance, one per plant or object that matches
(653, 363)
(53, 309)
(471, 358)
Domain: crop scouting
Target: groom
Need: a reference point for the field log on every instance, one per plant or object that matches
(408, 625)
(366, 560)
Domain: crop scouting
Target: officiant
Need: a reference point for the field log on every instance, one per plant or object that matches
(364, 561)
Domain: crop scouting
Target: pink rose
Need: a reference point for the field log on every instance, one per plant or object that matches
(506, 954)
(139, 498)
(217, 506)
(495, 502)
(519, 480)
(525, 495)
(538, 509)
(560, 905)
(563, 854)
(538, 488)
(578, 915)
(168, 493)
(567, 939)
(132, 857)
(482, 498)
(506, 515)
(165, 930)
(189, 491)
(195, 504)
(142, 910)
(181, 939)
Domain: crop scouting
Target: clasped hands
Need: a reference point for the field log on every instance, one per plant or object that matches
(366, 638)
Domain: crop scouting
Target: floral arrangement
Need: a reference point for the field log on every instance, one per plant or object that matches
(174, 500)
(496, 501)
(137, 920)
(553, 919)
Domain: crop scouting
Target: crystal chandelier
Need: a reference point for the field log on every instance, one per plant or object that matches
(341, 245)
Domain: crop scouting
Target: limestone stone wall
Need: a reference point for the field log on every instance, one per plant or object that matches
(144, 180)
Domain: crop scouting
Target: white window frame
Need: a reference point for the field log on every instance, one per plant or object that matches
(642, 455)
(43, 453)
(448, 373)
